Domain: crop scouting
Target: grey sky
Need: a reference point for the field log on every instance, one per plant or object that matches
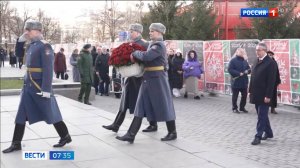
(68, 11)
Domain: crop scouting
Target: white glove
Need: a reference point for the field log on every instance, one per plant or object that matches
(44, 94)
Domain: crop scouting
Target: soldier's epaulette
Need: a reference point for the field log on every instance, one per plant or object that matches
(44, 41)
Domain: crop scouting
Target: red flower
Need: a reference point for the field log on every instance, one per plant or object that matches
(121, 55)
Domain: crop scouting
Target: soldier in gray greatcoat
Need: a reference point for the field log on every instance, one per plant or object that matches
(132, 87)
(154, 99)
(37, 100)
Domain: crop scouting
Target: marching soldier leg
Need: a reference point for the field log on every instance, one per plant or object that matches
(132, 131)
(63, 132)
(117, 123)
(17, 138)
(152, 127)
(82, 90)
(87, 94)
(172, 134)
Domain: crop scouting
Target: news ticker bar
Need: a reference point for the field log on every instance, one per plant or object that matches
(259, 12)
(48, 155)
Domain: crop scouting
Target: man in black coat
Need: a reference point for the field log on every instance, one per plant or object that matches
(278, 81)
(239, 69)
(102, 70)
(261, 90)
(131, 89)
(20, 51)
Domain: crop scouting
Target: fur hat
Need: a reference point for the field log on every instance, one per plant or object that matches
(270, 52)
(158, 27)
(87, 46)
(33, 25)
(136, 27)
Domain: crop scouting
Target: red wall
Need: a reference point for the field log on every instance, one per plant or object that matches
(233, 15)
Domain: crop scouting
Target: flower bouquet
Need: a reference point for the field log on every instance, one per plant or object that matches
(120, 59)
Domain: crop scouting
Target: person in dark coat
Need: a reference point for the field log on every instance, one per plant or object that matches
(261, 91)
(171, 54)
(20, 51)
(131, 88)
(95, 52)
(12, 59)
(97, 77)
(278, 81)
(239, 69)
(73, 61)
(154, 99)
(37, 100)
(60, 66)
(177, 73)
(102, 71)
(2, 56)
(85, 67)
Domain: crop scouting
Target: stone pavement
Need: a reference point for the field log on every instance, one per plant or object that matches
(211, 123)
(96, 147)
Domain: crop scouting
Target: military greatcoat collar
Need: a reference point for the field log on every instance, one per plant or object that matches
(158, 39)
(37, 38)
(137, 38)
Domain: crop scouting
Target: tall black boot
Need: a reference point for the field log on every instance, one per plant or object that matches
(172, 134)
(63, 132)
(17, 138)
(117, 123)
(133, 129)
(152, 127)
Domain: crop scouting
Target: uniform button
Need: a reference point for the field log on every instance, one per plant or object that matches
(145, 81)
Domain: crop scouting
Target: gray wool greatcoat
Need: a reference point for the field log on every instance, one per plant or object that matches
(154, 100)
(33, 107)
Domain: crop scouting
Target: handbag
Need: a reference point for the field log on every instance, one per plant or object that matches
(66, 77)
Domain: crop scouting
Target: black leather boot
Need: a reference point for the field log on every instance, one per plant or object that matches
(63, 141)
(112, 127)
(117, 123)
(63, 132)
(17, 138)
(15, 146)
(133, 129)
(152, 127)
(256, 141)
(172, 134)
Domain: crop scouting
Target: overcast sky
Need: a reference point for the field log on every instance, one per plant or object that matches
(68, 11)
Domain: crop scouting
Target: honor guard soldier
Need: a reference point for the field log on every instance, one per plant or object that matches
(154, 100)
(132, 87)
(37, 100)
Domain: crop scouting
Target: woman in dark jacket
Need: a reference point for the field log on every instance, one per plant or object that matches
(177, 73)
(170, 57)
(60, 66)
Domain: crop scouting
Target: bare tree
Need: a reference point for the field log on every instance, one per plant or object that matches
(17, 23)
(4, 7)
(71, 36)
(51, 28)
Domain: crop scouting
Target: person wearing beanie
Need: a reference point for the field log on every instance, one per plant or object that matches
(37, 100)
(155, 105)
(132, 86)
(85, 67)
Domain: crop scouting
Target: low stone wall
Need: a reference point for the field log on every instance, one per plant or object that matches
(61, 87)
